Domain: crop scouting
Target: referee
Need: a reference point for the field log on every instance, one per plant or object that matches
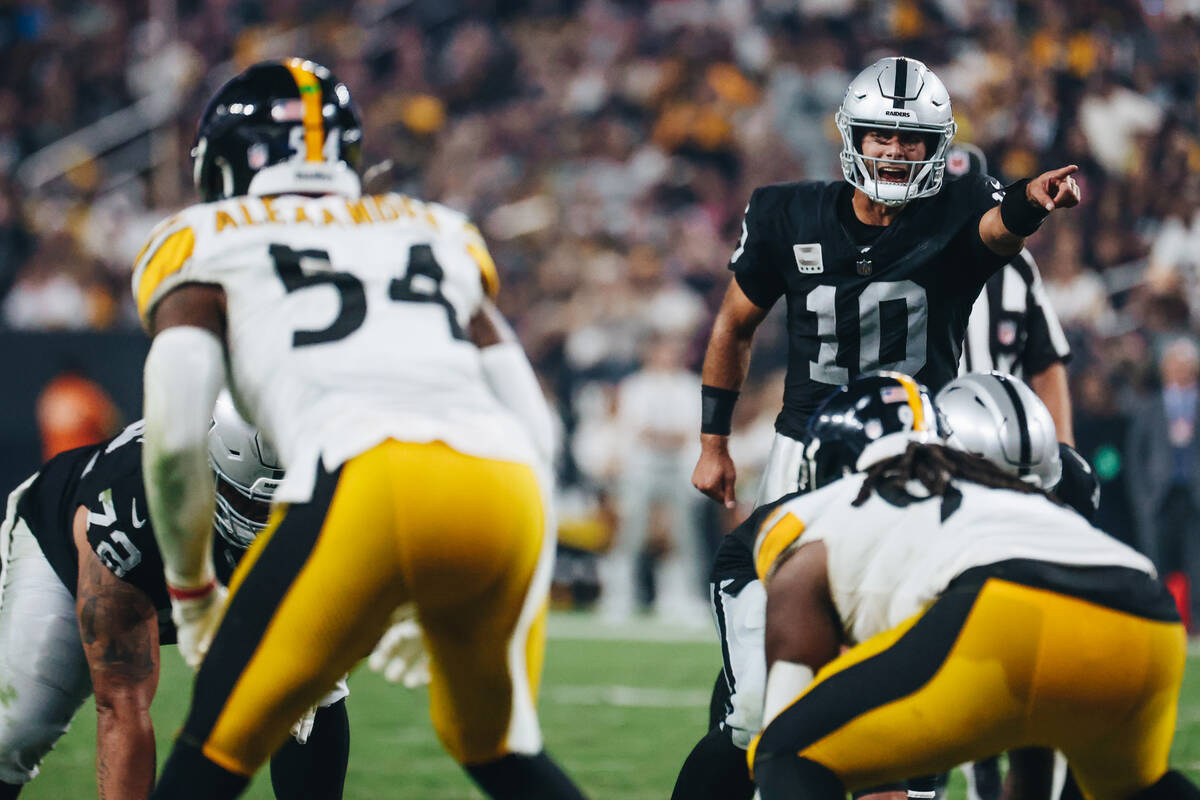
(1012, 328)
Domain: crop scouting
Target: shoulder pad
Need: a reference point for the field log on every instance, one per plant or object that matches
(161, 264)
(457, 227)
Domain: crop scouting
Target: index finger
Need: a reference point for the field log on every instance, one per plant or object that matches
(1063, 172)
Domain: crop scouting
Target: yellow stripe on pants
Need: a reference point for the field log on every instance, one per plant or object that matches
(461, 537)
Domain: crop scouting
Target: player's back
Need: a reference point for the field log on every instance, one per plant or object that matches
(896, 552)
(346, 319)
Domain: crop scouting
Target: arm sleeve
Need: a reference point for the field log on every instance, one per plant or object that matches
(185, 369)
(753, 262)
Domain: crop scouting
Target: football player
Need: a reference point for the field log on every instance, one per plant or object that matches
(993, 416)
(358, 334)
(84, 609)
(880, 270)
(976, 608)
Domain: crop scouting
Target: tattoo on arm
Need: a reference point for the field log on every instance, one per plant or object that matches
(118, 624)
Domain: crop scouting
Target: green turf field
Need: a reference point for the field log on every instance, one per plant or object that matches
(620, 714)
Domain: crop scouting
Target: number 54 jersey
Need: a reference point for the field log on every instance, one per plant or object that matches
(347, 321)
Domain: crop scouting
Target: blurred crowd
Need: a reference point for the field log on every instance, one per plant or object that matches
(607, 148)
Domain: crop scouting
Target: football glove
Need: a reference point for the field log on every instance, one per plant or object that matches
(196, 614)
(303, 727)
(400, 655)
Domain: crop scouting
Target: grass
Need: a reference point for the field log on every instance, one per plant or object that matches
(619, 714)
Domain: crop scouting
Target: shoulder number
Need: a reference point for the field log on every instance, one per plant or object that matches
(422, 283)
(114, 548)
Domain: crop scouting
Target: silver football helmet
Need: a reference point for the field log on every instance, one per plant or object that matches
(999, 418)
(904, 95)
(247, 474)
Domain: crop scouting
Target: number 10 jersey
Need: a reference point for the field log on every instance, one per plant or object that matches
(900, 301)
(346, 322)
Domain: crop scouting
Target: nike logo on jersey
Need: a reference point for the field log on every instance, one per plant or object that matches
(808, 258)
(133, 512)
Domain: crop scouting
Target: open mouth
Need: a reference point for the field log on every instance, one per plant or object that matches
(892, 173)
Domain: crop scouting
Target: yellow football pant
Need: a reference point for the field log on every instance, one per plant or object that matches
(972, 676)
(465, 538)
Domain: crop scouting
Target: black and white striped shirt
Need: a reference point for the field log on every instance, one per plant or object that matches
(1012, 327)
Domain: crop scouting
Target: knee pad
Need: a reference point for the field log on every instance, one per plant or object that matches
(23, 745)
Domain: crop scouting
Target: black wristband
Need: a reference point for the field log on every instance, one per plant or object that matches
(1020, 216)
(716, 409)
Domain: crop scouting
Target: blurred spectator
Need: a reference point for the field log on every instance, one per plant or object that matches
(1077, 294)
(1164, 467)
(73, 411)
(658, 409)
(1101, 434)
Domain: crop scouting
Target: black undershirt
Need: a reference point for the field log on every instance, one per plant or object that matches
(859, 232)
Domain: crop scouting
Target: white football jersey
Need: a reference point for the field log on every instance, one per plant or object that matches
(347, 322)
(887, 562)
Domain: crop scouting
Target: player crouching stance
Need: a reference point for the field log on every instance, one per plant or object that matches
(358, 334)
(983, 616)
(84, 610)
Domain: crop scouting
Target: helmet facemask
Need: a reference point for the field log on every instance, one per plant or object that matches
(925, 177)
(241, 513)
(903, 95)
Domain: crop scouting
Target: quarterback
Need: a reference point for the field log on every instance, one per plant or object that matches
(84, 610)
(357, 333)
(880, 270)
(981, 616)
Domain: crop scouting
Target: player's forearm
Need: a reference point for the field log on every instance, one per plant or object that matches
(184, 372)
(1052, 387)
(727, 359)
(125, 755)
(996, 237)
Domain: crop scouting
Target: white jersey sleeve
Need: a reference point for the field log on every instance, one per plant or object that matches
(346, 320)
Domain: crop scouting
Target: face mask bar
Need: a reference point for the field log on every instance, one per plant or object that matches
(234, 506)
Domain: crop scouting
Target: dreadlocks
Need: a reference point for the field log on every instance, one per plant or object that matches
(935, 466)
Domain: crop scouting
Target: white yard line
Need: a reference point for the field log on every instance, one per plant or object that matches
(586, 626)
(625, 696)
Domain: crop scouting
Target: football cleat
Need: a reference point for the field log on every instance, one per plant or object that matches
(899, 94)
(872, 418)
(247, 474)
(999, 418)
(279, 127)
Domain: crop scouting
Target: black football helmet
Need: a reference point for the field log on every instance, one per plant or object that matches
(871, 418)
(279, 127)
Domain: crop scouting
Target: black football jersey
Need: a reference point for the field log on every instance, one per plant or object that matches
(896, 298)
(106, 479)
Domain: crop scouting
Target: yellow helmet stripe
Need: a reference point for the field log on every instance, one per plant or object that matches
(913, 392)
(310, 98)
